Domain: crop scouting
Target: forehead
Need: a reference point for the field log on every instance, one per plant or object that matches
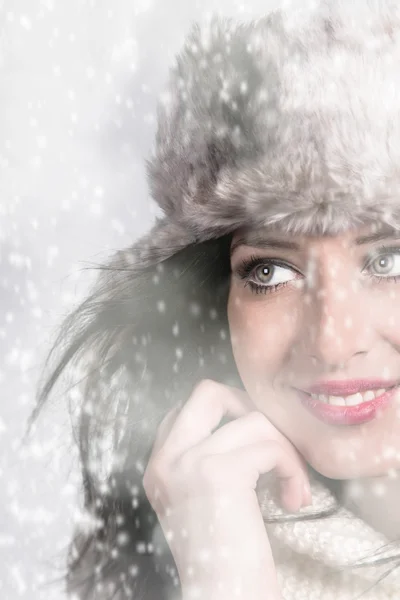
(255, 236)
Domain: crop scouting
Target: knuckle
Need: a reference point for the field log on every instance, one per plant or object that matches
(212, 395)
(205, 386)
(154, 487)
(167, 418)
(257, 418)
(147, 482)
(154, 473)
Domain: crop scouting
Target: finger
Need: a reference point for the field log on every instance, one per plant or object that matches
(249, 429)
(241, 468)
(209, 402)
(164, 428)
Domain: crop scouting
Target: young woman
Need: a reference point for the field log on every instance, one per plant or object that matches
(238, 418)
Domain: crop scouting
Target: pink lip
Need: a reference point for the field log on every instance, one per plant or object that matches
(351, 386)
(347, 415)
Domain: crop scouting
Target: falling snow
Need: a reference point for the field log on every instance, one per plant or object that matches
(80, 85)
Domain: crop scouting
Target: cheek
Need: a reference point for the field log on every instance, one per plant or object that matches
(262, 334)
(387, 312)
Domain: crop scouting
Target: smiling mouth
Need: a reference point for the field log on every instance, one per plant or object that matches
(348, 410)
(351, 399)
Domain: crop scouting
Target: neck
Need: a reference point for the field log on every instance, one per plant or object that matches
(376, 501)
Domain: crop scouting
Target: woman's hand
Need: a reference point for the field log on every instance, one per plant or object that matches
(202, 486)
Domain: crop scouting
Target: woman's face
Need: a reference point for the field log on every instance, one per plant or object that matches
(326, 311)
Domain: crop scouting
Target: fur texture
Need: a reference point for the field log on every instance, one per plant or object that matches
(291, 121)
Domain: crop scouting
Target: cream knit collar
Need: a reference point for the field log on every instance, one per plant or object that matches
(336, 557)
(331, 557)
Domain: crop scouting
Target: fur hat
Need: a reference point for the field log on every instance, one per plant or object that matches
(290, 121)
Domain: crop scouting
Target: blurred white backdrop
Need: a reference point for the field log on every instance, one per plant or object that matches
(79, 81)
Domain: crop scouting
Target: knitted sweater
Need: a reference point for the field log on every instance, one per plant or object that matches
(331, 558)
(328, 558)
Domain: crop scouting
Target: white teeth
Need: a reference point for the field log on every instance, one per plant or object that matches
(354, 399)
(320, 398)
(337, 400)
(351, 400)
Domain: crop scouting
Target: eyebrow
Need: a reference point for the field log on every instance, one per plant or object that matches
(259, 240)
(386, 234)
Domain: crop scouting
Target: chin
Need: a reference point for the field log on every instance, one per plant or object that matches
(347, 469)
(336, 471)
(335, 466)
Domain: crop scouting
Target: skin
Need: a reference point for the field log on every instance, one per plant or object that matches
(332, 321)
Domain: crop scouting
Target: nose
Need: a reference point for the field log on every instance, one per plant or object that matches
(338, 324)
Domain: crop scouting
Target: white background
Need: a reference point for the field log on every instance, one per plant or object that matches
(78, 87)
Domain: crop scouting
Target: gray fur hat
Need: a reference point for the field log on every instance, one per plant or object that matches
(290, 121)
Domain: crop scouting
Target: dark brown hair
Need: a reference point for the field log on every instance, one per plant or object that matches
(133, 349)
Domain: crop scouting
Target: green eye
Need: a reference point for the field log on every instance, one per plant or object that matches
(386, 263)
(266, 275)
(264, 271)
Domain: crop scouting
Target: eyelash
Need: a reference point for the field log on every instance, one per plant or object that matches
(247, 266)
